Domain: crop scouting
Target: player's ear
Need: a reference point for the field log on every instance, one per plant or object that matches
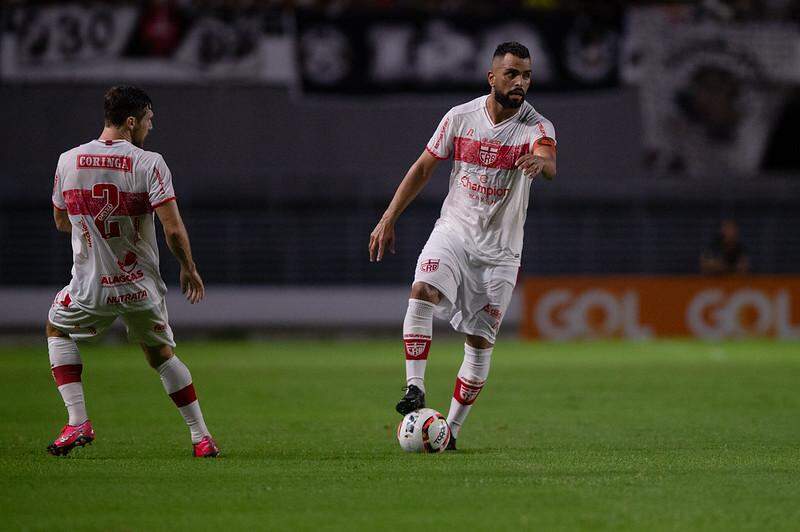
(490, 78)
(130, 122)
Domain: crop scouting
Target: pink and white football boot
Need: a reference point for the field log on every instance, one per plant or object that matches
(206, 448)
(72, 436)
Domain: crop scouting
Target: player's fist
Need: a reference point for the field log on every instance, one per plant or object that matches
(531, 165)
(192, 285)
(381, 239)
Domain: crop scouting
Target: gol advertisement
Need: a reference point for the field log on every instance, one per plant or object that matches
(565, 308)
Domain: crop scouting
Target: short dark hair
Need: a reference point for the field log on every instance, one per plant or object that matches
(514, 48)
(123, 101)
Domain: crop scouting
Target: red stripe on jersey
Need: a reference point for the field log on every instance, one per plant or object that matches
(184, 396)
(162, 202)
(492, 155)
(67, 373)
(80, 201)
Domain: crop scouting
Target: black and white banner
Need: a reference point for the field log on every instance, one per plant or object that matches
(375, 54)
(158, 42)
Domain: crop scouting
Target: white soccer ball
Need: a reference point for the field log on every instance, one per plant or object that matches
(423, 431)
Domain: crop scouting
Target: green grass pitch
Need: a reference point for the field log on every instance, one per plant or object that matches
(669, 435)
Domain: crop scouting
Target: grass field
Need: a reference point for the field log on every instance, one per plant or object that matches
(585, 436)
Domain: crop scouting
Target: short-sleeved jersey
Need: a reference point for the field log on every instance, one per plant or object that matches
(110, 188)
(488, 198)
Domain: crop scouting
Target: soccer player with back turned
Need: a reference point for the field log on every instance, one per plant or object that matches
(468, 268)
(104, 195)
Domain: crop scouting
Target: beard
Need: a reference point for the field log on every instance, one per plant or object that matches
(506, 101)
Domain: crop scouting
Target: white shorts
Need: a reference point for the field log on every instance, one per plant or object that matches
(476, 294)
(149, 327)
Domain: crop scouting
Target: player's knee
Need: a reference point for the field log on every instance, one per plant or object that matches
(52, 332)
(425, 292)
(478, 342)
(157, 355)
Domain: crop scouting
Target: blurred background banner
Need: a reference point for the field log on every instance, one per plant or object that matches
(636, 307)
(370, 53)
(288, 126)
(710, 95)
(157, 41)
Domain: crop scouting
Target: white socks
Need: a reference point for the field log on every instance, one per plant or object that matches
(66, 366)
(471, 378)
(177, 382)
(417, 332)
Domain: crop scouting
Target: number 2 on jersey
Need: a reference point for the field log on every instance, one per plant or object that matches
(110, 193)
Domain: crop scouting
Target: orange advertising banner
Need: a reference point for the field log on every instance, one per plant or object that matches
(564, 308)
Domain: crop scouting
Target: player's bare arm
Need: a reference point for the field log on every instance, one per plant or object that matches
(541, 161)
(382, 237)
(61, 218)
(178, 242)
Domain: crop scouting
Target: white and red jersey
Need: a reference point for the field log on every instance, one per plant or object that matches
(110, 188)
(488, 198)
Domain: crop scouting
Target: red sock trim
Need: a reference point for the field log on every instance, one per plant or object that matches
(67, 373)
(466, 392)
(416, 346)
(184, 396)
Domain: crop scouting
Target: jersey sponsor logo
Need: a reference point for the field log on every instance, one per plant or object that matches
(128, 263)
(85, 232)
(430, 265)
(106, 162)
(117, 280)
(467, 183)
(441, 134)
(130, 297)
(488, 152)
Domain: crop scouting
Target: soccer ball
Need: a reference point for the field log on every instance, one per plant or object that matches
(423, 431)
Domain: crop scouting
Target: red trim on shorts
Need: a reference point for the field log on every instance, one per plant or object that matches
(184, 396)
(431, 152)
(67, 373)
(162, 202)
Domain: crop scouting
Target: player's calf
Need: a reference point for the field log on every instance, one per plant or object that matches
(470, 381)
(177, 381)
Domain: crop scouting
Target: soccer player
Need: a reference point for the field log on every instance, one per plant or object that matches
(104, 195)
(468, 268)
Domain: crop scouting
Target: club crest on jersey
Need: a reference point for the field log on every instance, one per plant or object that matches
(489, 151)
(430, 265)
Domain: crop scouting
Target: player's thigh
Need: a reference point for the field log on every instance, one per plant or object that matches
(440, 266)
(70, 320)
(487, 307)
(150, 327)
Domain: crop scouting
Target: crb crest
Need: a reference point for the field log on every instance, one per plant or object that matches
(489, 151)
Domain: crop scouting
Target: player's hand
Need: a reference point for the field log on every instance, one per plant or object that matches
(192, 285)
(531, 165)
(381, 239)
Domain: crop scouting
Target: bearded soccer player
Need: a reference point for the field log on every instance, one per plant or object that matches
(104, 195)
(467, 269)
